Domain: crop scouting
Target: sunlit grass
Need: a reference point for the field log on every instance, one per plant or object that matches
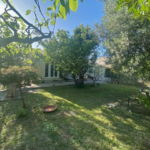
(82, 121)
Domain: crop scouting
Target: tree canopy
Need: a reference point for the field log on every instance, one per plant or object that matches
(15, 28)
(126, 40)
(139, 8)
(73, 54)
(18, 75)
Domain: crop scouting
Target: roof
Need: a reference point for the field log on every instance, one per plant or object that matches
(102, 61)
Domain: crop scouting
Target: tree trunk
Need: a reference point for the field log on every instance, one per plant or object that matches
(82, 77)
(93, 81)
(74, 77)
(24, 105)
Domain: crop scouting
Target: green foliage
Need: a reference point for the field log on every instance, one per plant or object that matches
(15, 28)
(72, 53)
(28, 12)
(21, 113)
(139, 8)
(145, 100)
(126, 41)
(15, 74)
(51, 129)
(64, 7)
(19, 55)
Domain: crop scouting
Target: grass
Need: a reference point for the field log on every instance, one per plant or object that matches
(83, 120)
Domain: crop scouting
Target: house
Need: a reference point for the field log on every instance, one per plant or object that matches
(101, 74)
(49, 73)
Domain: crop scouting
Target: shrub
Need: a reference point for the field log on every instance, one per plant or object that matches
(145, 100)
(18, 75)
(22, 113)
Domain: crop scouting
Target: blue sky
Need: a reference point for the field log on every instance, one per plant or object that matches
(88, 12)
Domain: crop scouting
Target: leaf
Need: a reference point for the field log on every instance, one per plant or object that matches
(4, 1)
(47, 13)
(44, 1)
(73, 5)
(81, 1)
(62, 11)
(140, 2)
(6, 16)
(36, 20)
(142, 7)
(147, 9)
(34, 7)
(52, 15)
(49, 8)
(55, 4)
(62, 2)
(67, 7)
(53, 22)
(28, 12)
(118, 7)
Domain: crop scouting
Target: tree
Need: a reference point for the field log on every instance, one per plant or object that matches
(126, 40)
(139, 8)
(18, 55)
(97, 72)
(74, 53)
(15, 28)
(18, 75)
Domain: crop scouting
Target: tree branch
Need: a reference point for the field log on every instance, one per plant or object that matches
(5, 42)
(20, 16)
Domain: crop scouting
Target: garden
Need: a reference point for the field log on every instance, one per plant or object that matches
(83, 120)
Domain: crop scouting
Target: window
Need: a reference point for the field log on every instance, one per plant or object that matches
(46, 70)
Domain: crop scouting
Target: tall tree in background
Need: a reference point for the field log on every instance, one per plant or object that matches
(73, 54)
(126, 40)
(139, 8)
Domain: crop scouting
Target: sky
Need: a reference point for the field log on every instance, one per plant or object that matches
(88, 12)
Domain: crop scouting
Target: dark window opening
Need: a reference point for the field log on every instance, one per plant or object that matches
(46, 70)
(109, 73)
(52, 69)
(55, 71)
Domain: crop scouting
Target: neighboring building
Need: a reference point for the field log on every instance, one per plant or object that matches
(48, 72)
(102, 61)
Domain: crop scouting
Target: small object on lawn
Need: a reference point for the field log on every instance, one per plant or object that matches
(130, 111)
(112, 105)
(49, 108)
(128, 100)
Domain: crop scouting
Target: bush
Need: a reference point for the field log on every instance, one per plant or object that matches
(22, 113)
(19, 75)
(145, 100)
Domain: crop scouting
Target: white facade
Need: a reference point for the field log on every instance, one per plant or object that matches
(47, 72)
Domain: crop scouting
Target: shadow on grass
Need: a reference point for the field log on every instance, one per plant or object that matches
(61, 129)
(81, 121)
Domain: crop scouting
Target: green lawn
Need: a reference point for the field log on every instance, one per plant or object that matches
(83, 120)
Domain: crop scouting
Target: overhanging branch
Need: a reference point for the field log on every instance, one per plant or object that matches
(5, 42)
